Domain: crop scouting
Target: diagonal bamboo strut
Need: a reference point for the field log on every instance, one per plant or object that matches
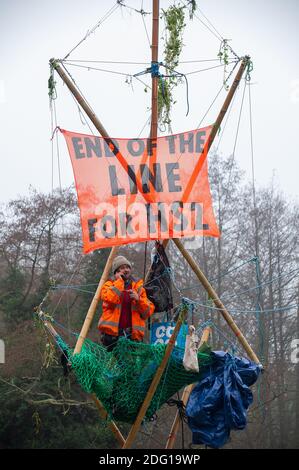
(185, 397)
(97, 123)
(155, 381)
(213, 295)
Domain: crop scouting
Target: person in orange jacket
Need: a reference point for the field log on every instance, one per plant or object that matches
(125, 305)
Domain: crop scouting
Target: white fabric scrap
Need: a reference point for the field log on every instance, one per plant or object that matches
(190, 361)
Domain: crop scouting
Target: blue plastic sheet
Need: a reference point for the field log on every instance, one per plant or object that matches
(219, 402)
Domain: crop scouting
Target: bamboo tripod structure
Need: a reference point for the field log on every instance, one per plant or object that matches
(90, 314)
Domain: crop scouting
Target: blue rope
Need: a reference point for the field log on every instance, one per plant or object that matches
(154, 70)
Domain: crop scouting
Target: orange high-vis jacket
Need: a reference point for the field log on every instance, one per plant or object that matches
(111, 295)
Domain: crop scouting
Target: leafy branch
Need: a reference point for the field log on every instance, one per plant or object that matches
(174, 18)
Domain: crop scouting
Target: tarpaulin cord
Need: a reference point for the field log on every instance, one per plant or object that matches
(92, 30)
(182, 414)
(258, 274)
(144, 265)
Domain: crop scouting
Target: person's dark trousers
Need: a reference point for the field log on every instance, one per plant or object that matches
(109, 341)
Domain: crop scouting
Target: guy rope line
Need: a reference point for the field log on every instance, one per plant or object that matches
(234, 149)
(99, 23)
(231, 59)
(74, 82)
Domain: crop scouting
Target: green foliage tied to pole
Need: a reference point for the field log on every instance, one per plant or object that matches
(174, 18)
(223, 55)
(52, 85)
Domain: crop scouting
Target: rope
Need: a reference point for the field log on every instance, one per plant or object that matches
(206, 26)
(52, 147)
(101, 21)
(249, 69)
(146, 32)
(82, 116)
(229, 271)
(100, 70)
(216, 31)
(262, 284)
(57, 147)
(70, 76)
(206, 69)
(144, 265)
(72, 276)
(198, 126)
(139, 63)
(234, 149)
(290, 307)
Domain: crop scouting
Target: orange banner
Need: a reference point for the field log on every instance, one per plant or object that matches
(133, 190)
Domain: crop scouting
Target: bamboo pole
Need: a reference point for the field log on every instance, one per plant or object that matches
(213, 295)
(228, 100)
(99, 126)
(103, 414)
(96, 122)
(155, 381)
(79, 98)
(95, 301)
(155, 48)
(185, 397)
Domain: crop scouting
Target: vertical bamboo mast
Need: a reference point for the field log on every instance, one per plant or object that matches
(155, 79)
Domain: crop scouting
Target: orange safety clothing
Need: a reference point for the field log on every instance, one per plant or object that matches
(111, 295)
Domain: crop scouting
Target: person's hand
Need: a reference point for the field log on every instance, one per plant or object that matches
(118, 275)
(133, 294)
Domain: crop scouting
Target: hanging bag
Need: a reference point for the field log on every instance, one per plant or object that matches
(190, 361)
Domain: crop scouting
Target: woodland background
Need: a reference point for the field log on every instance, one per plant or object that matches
(40, 250)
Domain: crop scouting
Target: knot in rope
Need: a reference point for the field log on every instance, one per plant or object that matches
(180, 406)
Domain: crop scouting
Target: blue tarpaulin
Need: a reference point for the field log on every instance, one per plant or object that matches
(219, 402)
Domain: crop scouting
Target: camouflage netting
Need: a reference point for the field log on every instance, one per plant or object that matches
(121, 378)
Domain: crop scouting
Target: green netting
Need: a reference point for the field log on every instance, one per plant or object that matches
(121, 378)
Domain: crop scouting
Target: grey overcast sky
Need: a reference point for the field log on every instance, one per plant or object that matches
(33, 31)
